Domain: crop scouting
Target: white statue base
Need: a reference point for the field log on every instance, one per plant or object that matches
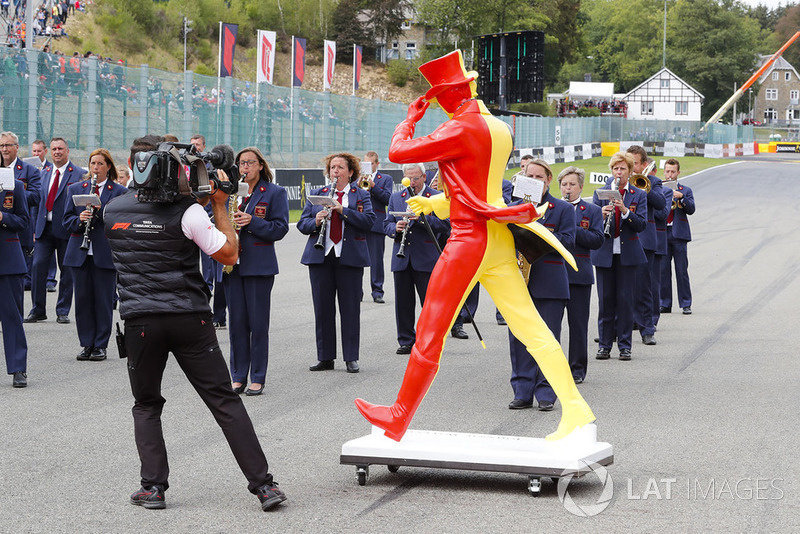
(533, 457)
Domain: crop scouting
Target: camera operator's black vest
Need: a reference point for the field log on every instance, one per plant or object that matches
(158, 266)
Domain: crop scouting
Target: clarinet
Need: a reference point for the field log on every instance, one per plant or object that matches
(608, 229)
(401, 252)
(321, 238)
(87, 241)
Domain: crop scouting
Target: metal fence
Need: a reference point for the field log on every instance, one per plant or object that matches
(94, 103)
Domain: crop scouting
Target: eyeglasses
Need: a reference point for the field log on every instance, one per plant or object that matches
(8, 145)
(249, 163)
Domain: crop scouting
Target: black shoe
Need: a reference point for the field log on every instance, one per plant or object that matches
(20, 380)
(98, 355)
(324, 365)
(51, 289)
(459, 332)
(625, 355)
(270, 496)
(501, 321)
(519, 404)
(34, 318)
(603, 354)
(250, 392)
(151, 498)
(597, 340)
(221, 324)
(687, 310)
(577, 379)
(635, 326)
(664, 309)
(352, 367)
(240, 389)
(378, 300)
(62, 319)
(84, 354)
(404, 349)
(648, 339)
(545, 406)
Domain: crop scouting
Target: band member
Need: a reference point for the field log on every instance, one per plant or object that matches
(30, 178)
(647, 275)
(413, 256)
(480, 248)
(588, 237)
(89, 256)
(678, 235)
(262, 219)
(336, 259)
(51, 235)
(380, 188)
(616, 260)
(14, 218)
(549, 288)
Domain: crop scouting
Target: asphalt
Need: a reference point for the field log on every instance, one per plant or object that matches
(703, 424)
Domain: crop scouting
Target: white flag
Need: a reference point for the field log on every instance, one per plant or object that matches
(266, 56)
(330, 60)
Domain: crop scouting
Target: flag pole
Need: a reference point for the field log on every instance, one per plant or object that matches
(219, 74)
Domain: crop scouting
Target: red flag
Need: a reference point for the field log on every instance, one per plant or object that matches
(227, 46)
(299, 61)
(329, 62)
(356, 67)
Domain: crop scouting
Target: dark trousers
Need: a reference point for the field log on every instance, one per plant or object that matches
(643, 296)
(615, 299)
(220, 302)
(527, 379)
(405, 302)
(376, 242)
(678, 255)
(46, 247)
(655, 284)
(249, 326)
(95, 288)
(331, 281)
(15, 344)
(580, 297)
(192, 339)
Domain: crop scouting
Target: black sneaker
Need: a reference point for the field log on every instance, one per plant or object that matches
(151, 498)
(270, 496)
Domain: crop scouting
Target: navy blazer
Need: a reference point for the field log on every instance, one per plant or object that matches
(31, 182)
(420, 250)
(680, 219)
(358, 219)
(656, 208)
(631, 251)
(549, 279)
(661, 222)
(16, 219)
(101, 251)
(269, 206)
(379, 196)
(588, 236)
(73, 174)
(508, 189)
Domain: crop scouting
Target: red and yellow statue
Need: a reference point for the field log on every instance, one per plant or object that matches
(472, 149)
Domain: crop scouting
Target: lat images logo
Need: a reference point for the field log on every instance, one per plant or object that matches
(588, 510)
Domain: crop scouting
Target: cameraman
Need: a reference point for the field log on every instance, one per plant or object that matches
(164, 302)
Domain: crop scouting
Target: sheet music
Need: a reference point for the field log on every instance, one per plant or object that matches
(528, 188)
(322, 200)
(608, 194)
(7, 178)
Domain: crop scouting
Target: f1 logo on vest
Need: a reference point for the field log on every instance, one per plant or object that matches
(121, 226)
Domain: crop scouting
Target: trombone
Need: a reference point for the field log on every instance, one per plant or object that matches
(641, 181)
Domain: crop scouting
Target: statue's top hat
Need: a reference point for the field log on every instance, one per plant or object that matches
(445, 72)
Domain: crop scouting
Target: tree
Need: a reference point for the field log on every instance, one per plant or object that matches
(785, 27)
(347, 29)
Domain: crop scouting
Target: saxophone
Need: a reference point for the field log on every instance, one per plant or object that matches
(233, 207)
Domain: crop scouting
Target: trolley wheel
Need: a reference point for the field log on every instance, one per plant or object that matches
(393, 468)
(534, 486)
(362, 471)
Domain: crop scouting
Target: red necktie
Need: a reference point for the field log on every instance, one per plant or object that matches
(618, 214)
(336, 221)
(670, 216)
(51, 196)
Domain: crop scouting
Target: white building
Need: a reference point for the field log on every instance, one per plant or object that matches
(664, 96)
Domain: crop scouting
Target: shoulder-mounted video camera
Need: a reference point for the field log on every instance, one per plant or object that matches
(175, 170)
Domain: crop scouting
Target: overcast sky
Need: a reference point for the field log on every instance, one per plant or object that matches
(772, 4)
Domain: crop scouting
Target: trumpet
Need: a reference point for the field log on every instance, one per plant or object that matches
(233, 207)
(87, 241)
(608, 229)
(641, 181)
(321, 237)
(364, 181)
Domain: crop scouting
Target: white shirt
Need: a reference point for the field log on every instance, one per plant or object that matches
(337, 247)
(198, 227)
